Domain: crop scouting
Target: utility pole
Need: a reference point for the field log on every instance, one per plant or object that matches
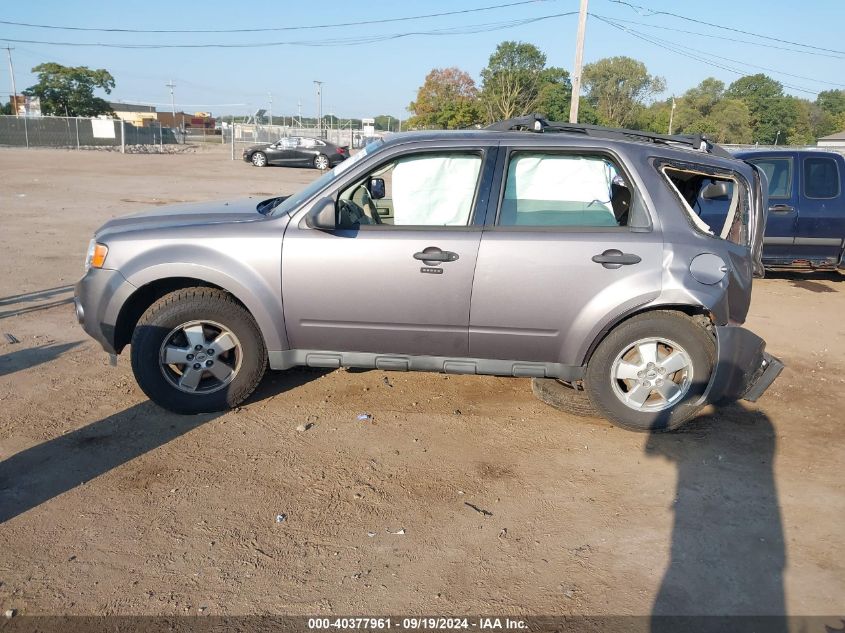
(300, 112)
(12, 74)
(671, 116)
(319, 86)
(172, 85)
(579, 63)
(270, 111)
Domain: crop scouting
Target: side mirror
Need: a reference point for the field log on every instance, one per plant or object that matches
(720, 190)
(322, 215)
(377, 189)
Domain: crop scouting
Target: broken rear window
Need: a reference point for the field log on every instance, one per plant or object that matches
(716, 202)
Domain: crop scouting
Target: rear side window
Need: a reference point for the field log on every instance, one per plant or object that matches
(779, 173)
(717, 204)
(821, 178)
(556, 189)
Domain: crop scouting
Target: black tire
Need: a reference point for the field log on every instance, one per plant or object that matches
(181, 307)
(261, 157)
(695, 340)
(563, 397)
(318, 159)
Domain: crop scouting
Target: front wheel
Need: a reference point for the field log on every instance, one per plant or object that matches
(259, 159)
(197, 350)
(650, 372)
(321, 162)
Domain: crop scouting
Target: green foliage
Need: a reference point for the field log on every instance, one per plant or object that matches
(69, 90)
(448, 99)
(555, 94)
(772, 114)
(617, 88)
(704, 109)
(386, 123)
(6, 108)
(512, 80)
(832, 102)
(655, 118)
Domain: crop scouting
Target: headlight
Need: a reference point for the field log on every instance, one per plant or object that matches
(96, 255)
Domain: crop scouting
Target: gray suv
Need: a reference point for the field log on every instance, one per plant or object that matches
(573, 254)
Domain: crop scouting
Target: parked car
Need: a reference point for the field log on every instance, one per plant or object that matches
(297, 151)
(806, 221)
(572, 254)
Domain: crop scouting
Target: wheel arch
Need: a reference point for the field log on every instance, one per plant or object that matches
(699, 312)
(151, 291)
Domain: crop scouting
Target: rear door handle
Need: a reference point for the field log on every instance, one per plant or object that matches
(433, 255)
(613, 258)
(781, 208)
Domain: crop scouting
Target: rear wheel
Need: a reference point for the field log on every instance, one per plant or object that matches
(259, 159)
(197, 350)
(650, 372)
(321, 161)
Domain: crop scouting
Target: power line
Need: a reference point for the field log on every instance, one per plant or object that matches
(277, 28)
(651, 12)
(348, 41)
(728, 39)
(729, 59)
(675, 48)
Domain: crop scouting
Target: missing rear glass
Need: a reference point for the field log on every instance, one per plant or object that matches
(717, 204)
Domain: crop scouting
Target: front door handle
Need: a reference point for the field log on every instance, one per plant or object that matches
(781, 208)
(613, 258)
(433, 256)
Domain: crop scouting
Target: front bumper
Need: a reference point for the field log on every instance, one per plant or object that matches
(743, 369)
(98, 298)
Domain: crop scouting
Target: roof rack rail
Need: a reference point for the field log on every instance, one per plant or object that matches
(538, 123)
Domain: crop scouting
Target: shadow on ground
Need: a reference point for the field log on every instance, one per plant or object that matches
(809, 279)
(37, 474)
(27, 357)
(728, 552)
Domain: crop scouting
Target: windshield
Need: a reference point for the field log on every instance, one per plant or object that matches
(290, 204)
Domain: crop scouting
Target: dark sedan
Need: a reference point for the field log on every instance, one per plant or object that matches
(297, 151)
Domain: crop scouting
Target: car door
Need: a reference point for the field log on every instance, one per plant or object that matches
(400, 288)
(274, 152)
(821, 220)
(558, 255)
(782, 221)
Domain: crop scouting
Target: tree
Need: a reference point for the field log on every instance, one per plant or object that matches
(447, 99)
(617, 88)
(555, 94)
(772, 114)
(832, 101)
(6, 108)
(655, 118)
(729, 121)
(69, 90)
(511, 81)
(386, 123)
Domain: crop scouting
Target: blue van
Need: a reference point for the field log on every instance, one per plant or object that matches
(806, 221)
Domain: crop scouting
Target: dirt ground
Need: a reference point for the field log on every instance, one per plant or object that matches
(109, 505)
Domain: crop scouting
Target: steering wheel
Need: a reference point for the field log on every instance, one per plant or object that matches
(351, 214)
(371, 211)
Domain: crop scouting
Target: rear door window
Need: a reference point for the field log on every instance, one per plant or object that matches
(563, 190)
(779, 173)
(821, 177)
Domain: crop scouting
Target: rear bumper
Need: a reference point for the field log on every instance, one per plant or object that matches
(743, 369)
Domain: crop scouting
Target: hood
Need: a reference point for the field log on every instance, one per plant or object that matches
(189, 214)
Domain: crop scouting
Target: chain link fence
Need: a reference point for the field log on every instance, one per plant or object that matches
(246, 134)
(83, 133)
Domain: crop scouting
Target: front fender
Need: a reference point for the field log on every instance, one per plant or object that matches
(248, 287)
